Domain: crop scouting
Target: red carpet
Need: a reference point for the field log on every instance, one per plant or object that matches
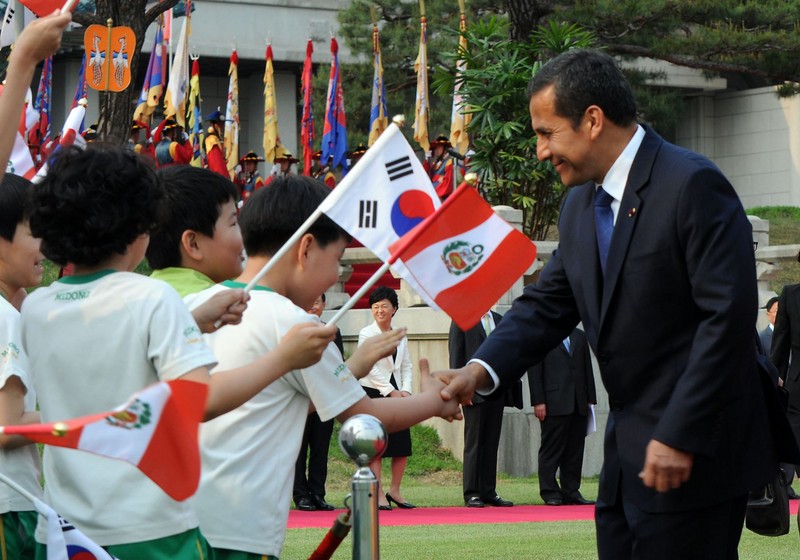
(460, 515)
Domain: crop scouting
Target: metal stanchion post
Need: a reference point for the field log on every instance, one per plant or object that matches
(363, 438)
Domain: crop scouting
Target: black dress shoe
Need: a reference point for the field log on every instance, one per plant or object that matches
(554, 502)
(475, 502)
(401, 505)
(497, 501)
(387, 507)
(578, 501)
(321, 504)
(305, 504)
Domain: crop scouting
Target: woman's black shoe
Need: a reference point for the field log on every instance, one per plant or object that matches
(401, 505)
(385, 508)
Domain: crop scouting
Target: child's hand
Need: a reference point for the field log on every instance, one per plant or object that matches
(40, 38)
(223, 308)
(450, 409)
(372, 350)
(304, 344)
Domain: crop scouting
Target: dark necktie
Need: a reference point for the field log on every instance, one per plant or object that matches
(603, 223)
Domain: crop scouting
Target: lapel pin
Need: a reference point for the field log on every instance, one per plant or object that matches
(631, 212)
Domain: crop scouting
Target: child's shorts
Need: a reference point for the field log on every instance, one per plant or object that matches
(225, 554)
(16, 534)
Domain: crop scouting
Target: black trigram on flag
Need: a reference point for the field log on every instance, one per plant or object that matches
(399, 168)
(367, 213)
(9, 16)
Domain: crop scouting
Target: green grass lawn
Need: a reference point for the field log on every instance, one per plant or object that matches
(433, 479)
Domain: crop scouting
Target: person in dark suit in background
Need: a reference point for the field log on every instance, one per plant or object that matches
(483, 420)
(655, 258)
(309, 490)
(562, 388)
(765, 334)
(784, 354)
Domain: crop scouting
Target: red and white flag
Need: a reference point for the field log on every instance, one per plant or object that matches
(65, 541)
(464, 256)
(156, 431)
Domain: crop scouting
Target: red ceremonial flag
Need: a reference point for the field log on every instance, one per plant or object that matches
(464, 256)
(307, 125)
(156, 431)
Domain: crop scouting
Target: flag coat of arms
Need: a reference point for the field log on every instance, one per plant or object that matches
(465, 257)
(156, 430)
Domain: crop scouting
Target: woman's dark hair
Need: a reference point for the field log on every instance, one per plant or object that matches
(93, 204)
(381, 293)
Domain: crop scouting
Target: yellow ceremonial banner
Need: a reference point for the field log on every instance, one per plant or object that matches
(108, 52)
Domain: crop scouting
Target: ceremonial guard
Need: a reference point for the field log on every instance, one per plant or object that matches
(172, 146)
(249, 180)
(214, 148)
(137, 145)
(440, 167)
(323, 173)
(283, 165)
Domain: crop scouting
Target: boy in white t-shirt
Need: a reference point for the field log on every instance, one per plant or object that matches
(20, 268)
(98, 336)
(249, 454)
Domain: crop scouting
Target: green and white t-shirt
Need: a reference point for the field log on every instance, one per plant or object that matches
(249, 453)
(22, 465)
(92, 342)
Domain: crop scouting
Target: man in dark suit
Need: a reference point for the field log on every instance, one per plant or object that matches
(483, 420)
(766, 333)
(562, 388)
(785, 355)
(666, 289)
(309, 489)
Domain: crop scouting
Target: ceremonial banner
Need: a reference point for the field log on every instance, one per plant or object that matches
(153, 80)
(195, 127)
(155, 431)
(464, 256)
(232, 116)
(175, 99)
(334, 131)
(41, 131)
(272, 137)
(460, 120)
(307, 125)
(421, 107)
(109, 50)
(378, 121)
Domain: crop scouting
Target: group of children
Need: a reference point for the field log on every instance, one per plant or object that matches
(88, 341)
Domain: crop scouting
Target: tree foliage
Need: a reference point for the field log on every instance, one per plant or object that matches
(494, 85)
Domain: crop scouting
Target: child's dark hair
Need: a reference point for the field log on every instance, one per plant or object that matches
(273, 214)
(14, 204)
(381, 293)
(193, 198)
(93, 204)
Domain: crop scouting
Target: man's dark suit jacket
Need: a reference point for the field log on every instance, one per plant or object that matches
(463, 344)
(564, 394)
(785, 352)
(765, 335)
(671, 325)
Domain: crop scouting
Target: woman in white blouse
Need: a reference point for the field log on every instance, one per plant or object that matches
(390, 377)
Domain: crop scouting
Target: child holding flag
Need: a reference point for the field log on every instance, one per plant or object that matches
(98, 336)
(249, 454)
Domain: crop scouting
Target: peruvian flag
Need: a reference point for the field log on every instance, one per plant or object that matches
(65, 541)
(156, 430)
(464, 256)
